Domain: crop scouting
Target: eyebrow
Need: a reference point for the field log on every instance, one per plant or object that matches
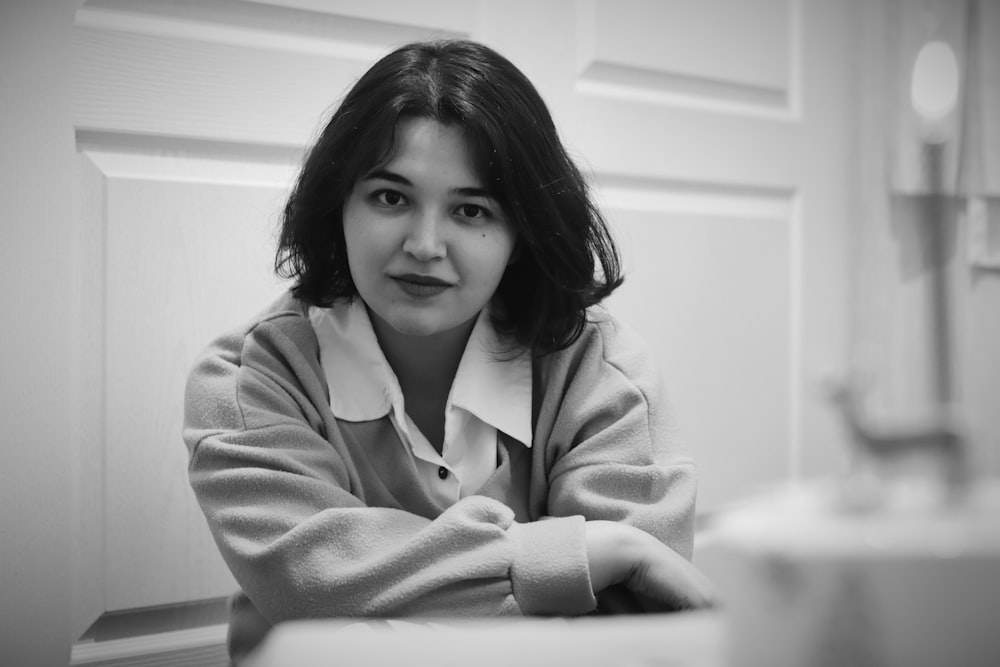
(393, 177)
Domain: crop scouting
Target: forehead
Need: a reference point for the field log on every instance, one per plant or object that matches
(428, 146)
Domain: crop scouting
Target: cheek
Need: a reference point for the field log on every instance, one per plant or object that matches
(360, 232)
(496, 256)
(359, 251)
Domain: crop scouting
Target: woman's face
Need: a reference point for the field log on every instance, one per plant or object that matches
(427, 245)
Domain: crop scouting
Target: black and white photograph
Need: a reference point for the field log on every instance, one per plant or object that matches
(500, 333)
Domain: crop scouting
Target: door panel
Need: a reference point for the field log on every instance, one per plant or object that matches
(177, 273)
(725, 42)
(164, 85)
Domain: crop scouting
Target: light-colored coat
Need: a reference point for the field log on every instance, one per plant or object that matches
(318, 517)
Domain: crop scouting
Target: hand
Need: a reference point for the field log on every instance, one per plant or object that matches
(658, 577)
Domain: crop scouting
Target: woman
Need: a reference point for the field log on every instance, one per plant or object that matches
(439, 419)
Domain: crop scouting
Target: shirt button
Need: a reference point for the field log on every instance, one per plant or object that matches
(443, 472)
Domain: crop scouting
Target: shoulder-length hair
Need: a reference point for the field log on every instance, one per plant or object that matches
(561, 236)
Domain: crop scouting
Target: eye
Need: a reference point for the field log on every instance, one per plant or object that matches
(388, 198)
(472, 211)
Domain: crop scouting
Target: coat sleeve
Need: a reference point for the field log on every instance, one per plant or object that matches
(275, 486)
(611, 453)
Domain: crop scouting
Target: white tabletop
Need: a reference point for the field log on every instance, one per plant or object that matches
(689, 639)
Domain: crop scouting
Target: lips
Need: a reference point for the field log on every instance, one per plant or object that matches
(419, 285)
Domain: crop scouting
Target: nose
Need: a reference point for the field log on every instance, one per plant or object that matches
(424, 241)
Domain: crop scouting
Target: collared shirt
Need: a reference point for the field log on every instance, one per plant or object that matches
(489, 394)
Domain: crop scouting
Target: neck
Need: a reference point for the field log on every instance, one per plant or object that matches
(425, 365)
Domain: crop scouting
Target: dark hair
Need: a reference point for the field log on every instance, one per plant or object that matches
(544, 293)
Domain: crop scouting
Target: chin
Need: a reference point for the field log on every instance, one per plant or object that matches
(415, 326)
(420, 321)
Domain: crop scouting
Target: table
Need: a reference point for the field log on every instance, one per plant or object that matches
(686, 639)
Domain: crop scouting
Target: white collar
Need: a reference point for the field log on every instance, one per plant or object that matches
(363, 386)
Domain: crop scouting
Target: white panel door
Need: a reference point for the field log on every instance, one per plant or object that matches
(694, 118)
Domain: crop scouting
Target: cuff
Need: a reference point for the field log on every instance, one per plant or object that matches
(550, 573)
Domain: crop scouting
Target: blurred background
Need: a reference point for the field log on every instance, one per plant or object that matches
(765, 166)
